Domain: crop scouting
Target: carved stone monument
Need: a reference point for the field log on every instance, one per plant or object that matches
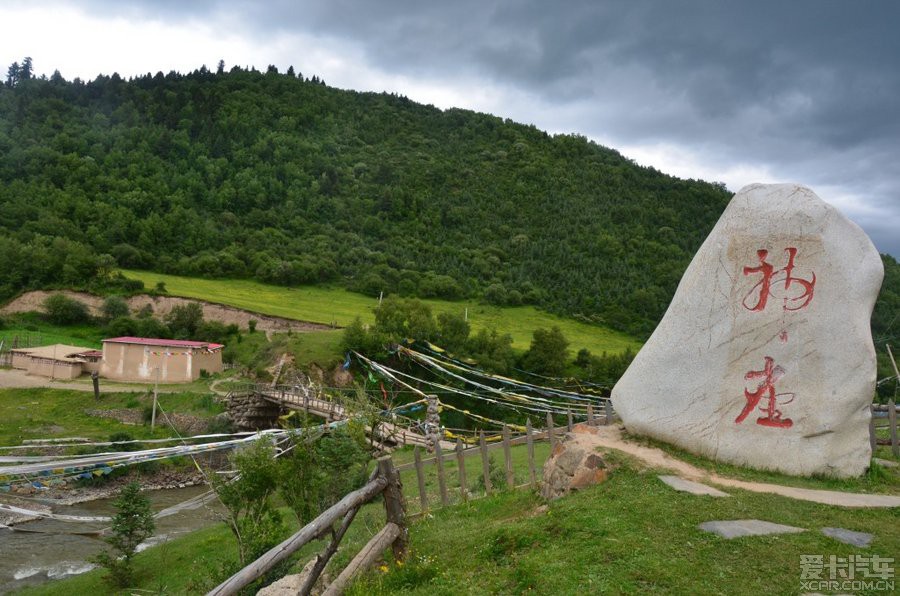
(765, 356)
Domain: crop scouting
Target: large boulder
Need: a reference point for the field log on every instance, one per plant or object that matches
(765, 357)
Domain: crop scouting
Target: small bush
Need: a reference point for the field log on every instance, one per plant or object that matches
(496, 474)
(114, 307)
(62, 310)
(220, 424)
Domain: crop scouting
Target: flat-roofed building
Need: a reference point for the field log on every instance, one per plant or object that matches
(58, 361)
(163, 360)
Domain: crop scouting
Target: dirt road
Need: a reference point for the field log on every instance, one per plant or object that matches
(12, 378)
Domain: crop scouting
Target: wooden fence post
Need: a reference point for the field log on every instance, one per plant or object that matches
(485, 464)
(530, 441)
(442, 481)
(322, 559)
(590, 414)
(892, 416)
(873, 442)
(609, 413)
(569, 420)
(550, 432)
(394, 505)
(420, 475)
(367, 557)
(507, 456)
(461, 469)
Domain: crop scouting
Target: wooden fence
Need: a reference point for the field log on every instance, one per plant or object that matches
(888, 414)
(454, 488)
(385, 481)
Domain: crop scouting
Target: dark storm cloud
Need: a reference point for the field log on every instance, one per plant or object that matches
(808, 89)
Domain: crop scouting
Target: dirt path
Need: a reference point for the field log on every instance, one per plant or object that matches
(611, 437)
(12, 378)
(162, 305)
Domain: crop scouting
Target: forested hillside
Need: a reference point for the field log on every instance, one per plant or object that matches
(279, 178)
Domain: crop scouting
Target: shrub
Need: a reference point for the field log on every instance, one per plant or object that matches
(114, 307)
(220, 424)
(184, 320)
(548, 352)
(253, 518)
(62, 310)
(497, 475)
(315, 476)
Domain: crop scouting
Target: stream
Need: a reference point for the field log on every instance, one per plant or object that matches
(31, 559)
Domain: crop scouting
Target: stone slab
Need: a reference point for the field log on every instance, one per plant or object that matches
(747, 527)
(694, 488)
(861, 539)
(886, 463)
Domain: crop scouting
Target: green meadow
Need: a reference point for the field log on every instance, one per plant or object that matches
(336, 306)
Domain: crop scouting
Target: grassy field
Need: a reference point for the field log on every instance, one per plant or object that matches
(630, 535)
(31, 330)
(338, 306)
(40, 413)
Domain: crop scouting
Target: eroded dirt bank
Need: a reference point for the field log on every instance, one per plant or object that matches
(162, 305)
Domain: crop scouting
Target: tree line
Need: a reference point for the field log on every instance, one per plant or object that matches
(238, 173)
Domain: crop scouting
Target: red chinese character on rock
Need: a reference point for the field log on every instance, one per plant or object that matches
(766, 389)
(770, 277)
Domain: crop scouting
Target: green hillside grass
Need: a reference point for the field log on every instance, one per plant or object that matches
(31, 330)
(40, 413)
(328, 305)
(631, 534)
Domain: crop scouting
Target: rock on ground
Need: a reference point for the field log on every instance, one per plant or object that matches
(861, 539)
(765, 357)
(689, 486)
(574, 464)
(747, 527)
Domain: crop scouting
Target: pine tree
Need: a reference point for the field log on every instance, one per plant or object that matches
(12, 75)
(26, 71)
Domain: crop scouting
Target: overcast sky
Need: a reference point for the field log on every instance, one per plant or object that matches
(801, 91)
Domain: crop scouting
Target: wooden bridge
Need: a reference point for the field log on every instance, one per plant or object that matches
(307, 400)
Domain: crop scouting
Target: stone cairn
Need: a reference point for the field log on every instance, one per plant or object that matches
(432, 424)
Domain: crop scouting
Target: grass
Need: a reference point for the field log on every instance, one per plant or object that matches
(322, 348)
(631, 534)
(40, 413)
(32, 330)
(321, 304)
